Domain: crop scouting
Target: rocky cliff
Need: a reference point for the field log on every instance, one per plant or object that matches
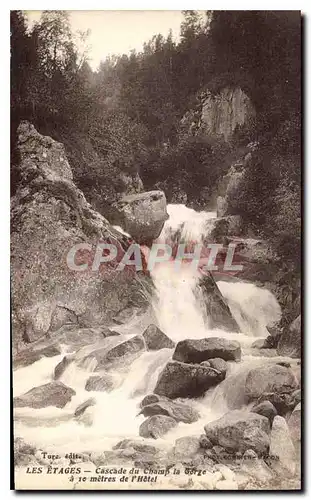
(49, 215)
(219, 115)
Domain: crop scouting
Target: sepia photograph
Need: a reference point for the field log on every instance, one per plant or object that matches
(156, 250)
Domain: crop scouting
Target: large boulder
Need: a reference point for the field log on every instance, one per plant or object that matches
(28, 356)
(156, 426)
(142, 215)
(198, 350)
(269, 379)
(182, 380)
(104, 383)
(266, 409)
(155, 339)
(181, 412)
(216, 307)
(49, 212)
(290, 340)
(51, 394)
(240, 431)
(121, 353)
(281, 445)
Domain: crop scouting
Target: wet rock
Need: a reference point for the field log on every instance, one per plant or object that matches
(104, 383)
(121, 353)
(294, 424)
(62, 365)
(216, 307)
(198, 350)
(240, 431)
(269, 378)
(51, 394)
(28, 356)
(266, 409)
(152, 398)
(290, 340)
(142, 215)
(181, 412)
(83, 406)
(219, 364)
(155, 339)
(281, 445)
(126, 315)
(182, 380)
(156, 426)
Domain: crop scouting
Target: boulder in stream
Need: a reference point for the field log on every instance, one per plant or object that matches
(104, 383)
(156, 426)
(271, 378)
(155, 339)
(142, 215)
(120, 353)
(217, 309)
(183, 380)
(181, 412)
(198, 350)
(51, 394)
(239, 431)
(30, 355)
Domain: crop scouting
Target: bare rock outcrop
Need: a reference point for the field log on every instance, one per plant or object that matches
(49, 215)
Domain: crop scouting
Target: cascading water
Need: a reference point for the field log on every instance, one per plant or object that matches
(180, 315)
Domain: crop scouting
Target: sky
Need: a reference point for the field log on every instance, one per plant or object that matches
(120, 31)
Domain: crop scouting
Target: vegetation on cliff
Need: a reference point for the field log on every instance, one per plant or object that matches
(123, 122)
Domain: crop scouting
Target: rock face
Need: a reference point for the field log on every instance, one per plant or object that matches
(155, 339)
(198, 350)
(49, 215)
(217, 309)
(52, 394)
(290, 341)
(219, 364)
(222, 113)
(269, 379)
(142, 215)
(218, 115)
(182, 380)
(156, 426)
(281, 445)
(181, 412)
(240, 431)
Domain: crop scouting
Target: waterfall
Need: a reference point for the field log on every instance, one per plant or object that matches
(180, 315)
